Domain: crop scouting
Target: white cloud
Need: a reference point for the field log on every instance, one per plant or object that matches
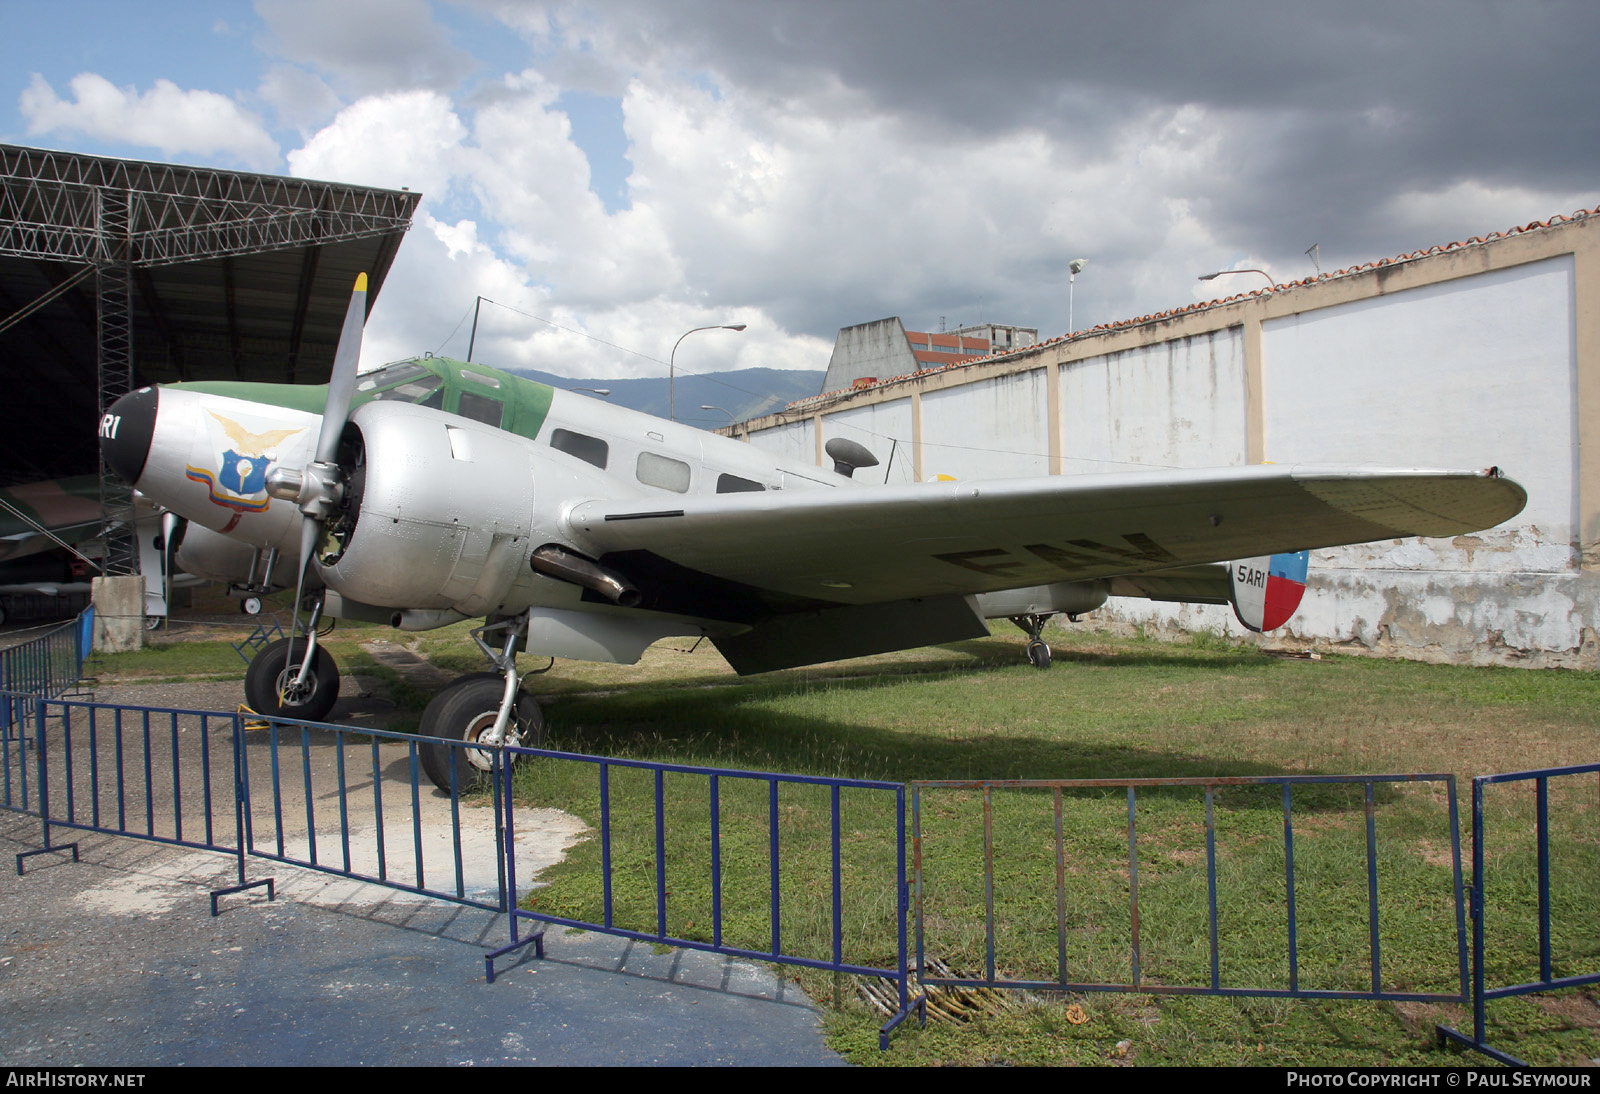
(427, 300)
(406, 139)
(299, 98)
(800, 212)
(1473, 208)
(367, 46)
(190, 123)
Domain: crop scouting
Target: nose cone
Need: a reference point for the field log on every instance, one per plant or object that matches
(126, 430)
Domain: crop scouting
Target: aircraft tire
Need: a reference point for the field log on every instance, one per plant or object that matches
(1038, 653)
(464, 711)
(265, 677)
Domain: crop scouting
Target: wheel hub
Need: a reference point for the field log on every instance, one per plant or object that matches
(293, 693)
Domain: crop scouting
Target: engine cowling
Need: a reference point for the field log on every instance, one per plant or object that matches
(439, 514)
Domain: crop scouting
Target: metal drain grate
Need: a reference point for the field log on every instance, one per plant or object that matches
(952, 1006)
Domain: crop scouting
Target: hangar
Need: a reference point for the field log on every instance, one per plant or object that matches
(1474, 353)
(117, 273)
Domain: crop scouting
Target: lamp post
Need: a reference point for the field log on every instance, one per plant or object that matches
(672, 370)
(1225, 273)
(602, 391)
(1074, 268)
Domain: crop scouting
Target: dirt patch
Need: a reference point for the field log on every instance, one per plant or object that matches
(1575, 1009)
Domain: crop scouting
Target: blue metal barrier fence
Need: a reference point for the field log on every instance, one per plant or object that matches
(816, 869)
(1577, 967)
(1291, 973)
(314, 796)
(42, 668)
(287, 767)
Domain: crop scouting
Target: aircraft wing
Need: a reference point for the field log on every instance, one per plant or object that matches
(41, 516)
(871, 545)
(1206, 583)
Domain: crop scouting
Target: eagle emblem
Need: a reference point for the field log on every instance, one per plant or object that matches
(243, 458)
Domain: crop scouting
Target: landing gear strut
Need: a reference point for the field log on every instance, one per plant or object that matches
(1038, 648)
(485, 709)
(293, 678)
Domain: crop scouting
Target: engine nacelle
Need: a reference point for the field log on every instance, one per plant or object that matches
(217, 557)
(443, 512)
(1069, 597)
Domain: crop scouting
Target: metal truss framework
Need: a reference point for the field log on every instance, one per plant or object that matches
(121, 216)
(52, 205)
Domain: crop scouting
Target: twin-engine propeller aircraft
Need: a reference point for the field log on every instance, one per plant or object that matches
(431, 491)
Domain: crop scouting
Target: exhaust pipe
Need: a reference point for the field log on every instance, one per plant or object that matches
(556, 561)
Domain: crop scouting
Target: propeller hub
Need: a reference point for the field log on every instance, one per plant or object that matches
(321, 490)
(317, 490)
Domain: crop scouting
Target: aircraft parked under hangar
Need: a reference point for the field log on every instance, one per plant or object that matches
(432, 491)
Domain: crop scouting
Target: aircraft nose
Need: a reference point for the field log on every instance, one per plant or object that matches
(126, 430)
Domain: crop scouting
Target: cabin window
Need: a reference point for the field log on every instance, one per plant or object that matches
(480, 378)
(481, 408)
(733, 484)
(663, 471)
(588, 449)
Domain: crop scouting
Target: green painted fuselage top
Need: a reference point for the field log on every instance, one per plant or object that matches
(459, 387)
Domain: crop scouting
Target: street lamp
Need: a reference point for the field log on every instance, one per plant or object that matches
(596, 390)
(1225, 273)
(1074, 268)
(729, 413)
(672, 371)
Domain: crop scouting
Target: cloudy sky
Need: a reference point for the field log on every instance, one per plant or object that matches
(619, 171)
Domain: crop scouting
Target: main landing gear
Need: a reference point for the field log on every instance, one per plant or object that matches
(1038, 649)
(483, 711)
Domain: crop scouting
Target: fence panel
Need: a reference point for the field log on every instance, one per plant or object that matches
(159, 774)
(19, 753)
(1535, 889)
(729, 861)
(41, 668)
(1261, 886)
(354, 802)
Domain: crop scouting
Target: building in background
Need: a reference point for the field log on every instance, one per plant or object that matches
(869, 352)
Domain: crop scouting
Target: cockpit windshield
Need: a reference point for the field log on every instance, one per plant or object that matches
(406, 382)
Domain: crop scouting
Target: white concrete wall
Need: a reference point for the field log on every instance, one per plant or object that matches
(1175, 404)
(1474, 372)
(885, 429)
(793, 440)
(992, 429)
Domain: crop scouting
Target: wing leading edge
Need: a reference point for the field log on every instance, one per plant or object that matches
(878, 545)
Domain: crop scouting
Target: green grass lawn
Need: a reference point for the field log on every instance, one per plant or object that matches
(1110, 708)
